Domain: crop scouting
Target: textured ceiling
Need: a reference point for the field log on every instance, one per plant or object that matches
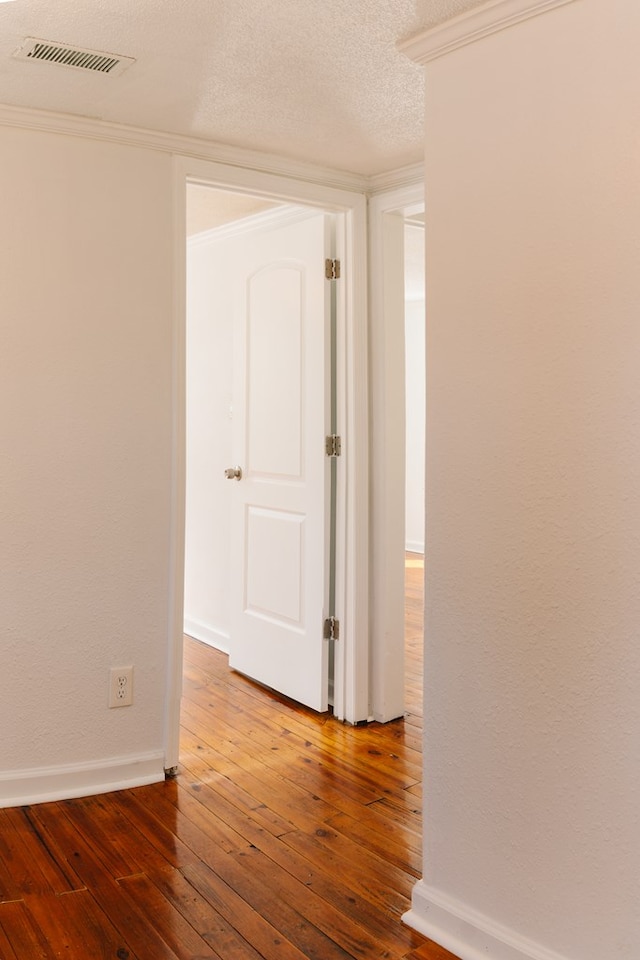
(321, 82)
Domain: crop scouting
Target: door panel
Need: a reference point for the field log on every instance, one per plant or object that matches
(274, 562)
(279, 509)
(274, 375)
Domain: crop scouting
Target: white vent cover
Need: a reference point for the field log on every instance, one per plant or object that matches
(77, 57)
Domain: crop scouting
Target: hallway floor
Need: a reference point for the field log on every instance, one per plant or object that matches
(286, 835)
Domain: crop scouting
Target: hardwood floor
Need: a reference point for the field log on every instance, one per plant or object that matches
(286, 835)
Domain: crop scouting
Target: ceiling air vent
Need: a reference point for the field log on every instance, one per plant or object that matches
(77, 57)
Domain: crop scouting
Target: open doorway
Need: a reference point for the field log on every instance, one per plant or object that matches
(349, 206)
(261, 493)
(415, 429)
(389, 283)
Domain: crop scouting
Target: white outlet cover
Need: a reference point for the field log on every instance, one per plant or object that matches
(121, 686)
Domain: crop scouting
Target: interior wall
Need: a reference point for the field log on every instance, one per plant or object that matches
(85, 274)
(209, 436)
(387, 463)
(533, 490)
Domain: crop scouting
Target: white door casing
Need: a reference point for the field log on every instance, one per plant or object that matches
(351, 691)
(279, 506)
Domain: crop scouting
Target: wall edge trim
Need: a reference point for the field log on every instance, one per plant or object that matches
(465, 932)
(472, 26)
(45, 784)
(414, 546)
(198, 630)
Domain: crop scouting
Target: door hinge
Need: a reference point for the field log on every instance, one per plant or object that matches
(333, 445)
(331, 629)
(332, 269)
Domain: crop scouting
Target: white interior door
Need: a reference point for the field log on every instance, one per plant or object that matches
(279, 550)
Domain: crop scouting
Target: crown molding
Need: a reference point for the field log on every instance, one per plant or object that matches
(177, 145)
(475, 25)
(395, 179)
(72, 125)
(265, 220)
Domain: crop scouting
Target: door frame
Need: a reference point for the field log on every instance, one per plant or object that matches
(351, 665)
(387, 458)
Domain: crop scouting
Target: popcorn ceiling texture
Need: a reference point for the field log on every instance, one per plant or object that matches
(317, 82)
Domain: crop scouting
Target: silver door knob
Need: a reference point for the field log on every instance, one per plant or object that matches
(233, 473)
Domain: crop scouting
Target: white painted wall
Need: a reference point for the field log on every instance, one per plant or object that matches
(209, 413)
(414, 343)
(85, 395)
(532, 664)
(387, 458)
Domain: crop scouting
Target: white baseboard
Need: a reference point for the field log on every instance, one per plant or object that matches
(468, 934)
(209, 635)
(44, 784)
(414, 546)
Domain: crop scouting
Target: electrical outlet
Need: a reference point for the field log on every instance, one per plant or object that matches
(121, 686)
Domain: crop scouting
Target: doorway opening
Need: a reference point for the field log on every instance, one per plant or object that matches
(261, 397)
(415, 430)
(397, 432)
(349, 207)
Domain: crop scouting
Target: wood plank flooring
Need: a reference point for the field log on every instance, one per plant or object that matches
(286, 835)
